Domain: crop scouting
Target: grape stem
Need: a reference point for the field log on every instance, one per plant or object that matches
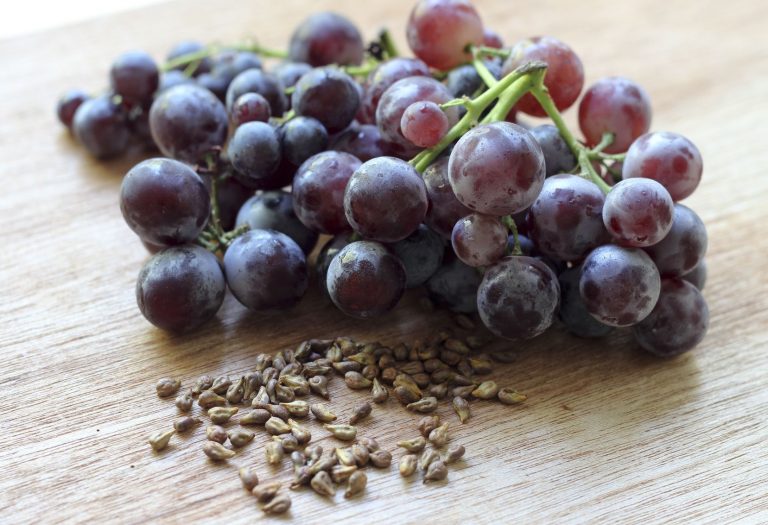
(483, 71)
(509, 222)
(385, 38)
(189, 59)
(489, 51)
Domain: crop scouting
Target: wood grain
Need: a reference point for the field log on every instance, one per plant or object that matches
(608, 435)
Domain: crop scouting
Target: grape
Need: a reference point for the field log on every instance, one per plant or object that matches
(365, 280)
(318, 191)
(677, 323)
(386, 74)
(439, 32)
(254, 151)
(573, 312)
(68, 104)
(638, 212)
(518, 297)
(565, 73)
(100, 126)
(526, 244)
(290, 72)
(424, 124)
(402, 94)
(363, 141)
(164, 202)
(444, 208)
(329, 250)
(668, 158)
(684, 246)
(231, 195)
(619, 286)
(328, 95)
(187, 122)
(266, 269)
(135, 77)
(616, 105)
(492, 39)
(180, 288)
(497, 169)
(697, 276)
(273, 210)
(479, 240)
(454, 285)
(171, 79)
(250, 107)
(187, 47)
(257, 81)
(302, 137)
(326, 38)
(225, 67)
(464, 80)
(566, 220)
(385, 199)
(557, 155)
(421, 254)
(152, 248)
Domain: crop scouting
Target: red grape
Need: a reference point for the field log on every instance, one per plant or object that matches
(68, 104)
(267, 85)
(444, 208)
(135, 77)
(363, 141)
(328, 95)
(479, 240)
(684, 246)
(386, 74)
(326, 38)
(424, 124)
(492, 39)
(558, 157)
(250, 107)
(638, 212)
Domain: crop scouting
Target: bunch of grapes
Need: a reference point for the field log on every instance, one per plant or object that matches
(413, 172)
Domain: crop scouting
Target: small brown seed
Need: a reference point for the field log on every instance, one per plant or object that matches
(437, 471)
(239, 437)
(221, 384)
(364, 358)
(412, 367)
(450, 357)
(463, 391)
(159, 440)
(400, 352)
(261, 398)
(361, 454)
(167, 386)
(342, 432)
(438, 391)
(209, 399)
(424, 405)
(278, 411)
(301, 433)
(265, 492)
(388, 375)
(313, 453)
(347, 345)
(299, 384)
(271, 384)
(287, 441)
(428, 457)
(386, 361)
(342, 367)
(461, 407)
(277, 426)
(203, 383)
(257, 416)
(454, 454)
(274, 452)
(430, 365)
(322, 484)
(380, 459)
(456, 345)
(504, 356)
(360, 412)
(464, 368)
(370, 443)
(185, 424)
(379, 392)
(322, 413)
(284, 394)
(407, 465)
(464, 322)
(221, 415)
(184, 401)
(427, 424)
(486, 390)
(422, 380)
(215, 433)
(508, 396)
(334, 354)
(269, 374)
(236, 391)
(370, 371)
(298, 459)
(481, 366)
(356, 380)
(345, 456)
(319, 385)
(263, 361)
(427, 353)
(439, 436)
(279, 361)
(341, 473)
(406, 395)
(323, 463)
(356, 484)
(442, 375)
(279, 504)
(413, 445)
(462, 380)
(249, 477)
(217, 451)
(297, 408)
(252, 382)
(291, 369)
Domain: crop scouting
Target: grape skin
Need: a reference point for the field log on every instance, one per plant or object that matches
(328, 95)
(290, 72)
(421, 254)
(135, 77)
(273, 210)
(100, 126)
(558, 157)
(363, 141)
(365, 280)
(454, 285)
(697, 276)
(386, 74)
(255, 153)
(224, 68)
(518, 297)
(180, 288)
(573, 312)
(684, 246)
(444, 208)
(619, 286)
(326, 38)
(424, 124)
(68, 104)
(638, 212)
(678, 322)
(266, 269)
(492, 39)
(186, 47)
(171, 79)
(249, 107)
(257, 81)
(302, 137)
(479, 240)
(329, 250)
(231, 195)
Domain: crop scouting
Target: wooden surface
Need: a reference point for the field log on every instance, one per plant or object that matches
(608, 434)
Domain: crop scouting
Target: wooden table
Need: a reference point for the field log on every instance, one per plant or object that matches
(608, 435)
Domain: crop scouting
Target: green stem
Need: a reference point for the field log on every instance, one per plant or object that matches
(387, 44)
(484, 73)
(605, 141)
(489, 51)
(512, 227)
(189, 58)
(361, 71)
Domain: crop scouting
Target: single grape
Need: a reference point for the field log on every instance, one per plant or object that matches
(302, 137)
(254, 151)
(638, 212)
(619, 286)
(421, 254)
(329, 250)
(492, 39)
(454, 285)
(557, 155)
(328, 95)
(152, 248)
(257, 81)
(171, 79)
(225, 66)
(615, 105)
(68, 104)
(385, 199)
(684, 246)
(266, 269)
(518, 297)
(135, 77)
(439, 32)
(180, 288)
(497, 169)
(386, 74)
(290, 72)
(187, 47)
(526, 244)
(566, 220)
(573, 312)
(479, 240)
(668, 158)
(326, 38)
(678, 322)
(444, 208)
(231, 195)
(697, 276)
(250, 107)
(164, 202)
(187, 122)
(365, 280)
(363, 141)
(100, 125)
(273, 210)
(318, 191)
(464, 81)
(424, 124)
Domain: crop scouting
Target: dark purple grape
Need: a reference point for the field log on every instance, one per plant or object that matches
(684, 246)
(492, 39)
(265, 84)
(152, 248)
(266, 269)
(100, 125)
(290, 72)
(231, 195)
(463, 81)
(454, 285)
(573, 312)
(187, 47)
(138, 126)
(526, 244)
(249, 107)
(424, 124)
(386, 74)
(329, 250)
(385, 199)
(557, 156)
(171, 79)
(135, 77)
(326, 38)
(697, 276)
(164, 202)
(180, 288)
(273, 210)
(363, 141)
(187, 122)
(365, 280)
(497, 169)
(224, 68)
(518, 297)
(254, 151)
(619, 286)
(678, 322)
(479, 240)
(421, 254)
(328, 95)
(566, 220)
(444, 208)
(638, 212)
(302, 137)
(318, 191)
(68, 104)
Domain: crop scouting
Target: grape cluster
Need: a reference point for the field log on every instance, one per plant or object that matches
(417, 172)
